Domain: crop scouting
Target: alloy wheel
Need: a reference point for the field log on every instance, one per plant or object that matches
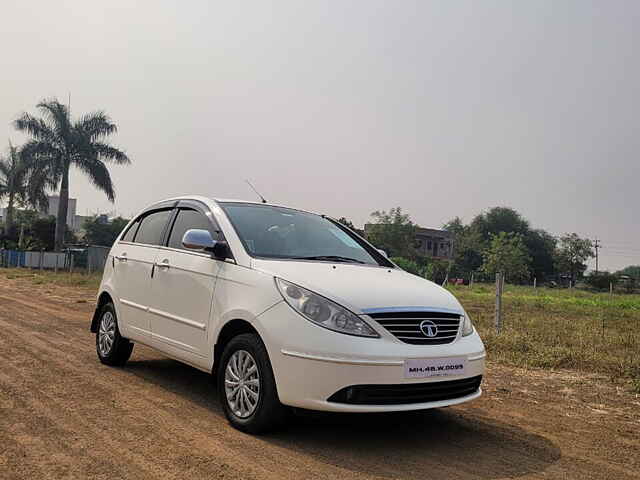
(242, 383)
(106, 333)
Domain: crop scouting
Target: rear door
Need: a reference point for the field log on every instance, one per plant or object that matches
(183, 287)
(134, 258)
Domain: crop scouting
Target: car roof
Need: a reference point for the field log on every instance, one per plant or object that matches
(207, 200)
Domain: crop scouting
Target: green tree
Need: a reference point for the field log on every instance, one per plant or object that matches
(57, 143)
(346, 223)
(572, 254)
(436, 270)
(507, 254)
(541, 246)
(632, 271)
(456, 226)
(394, 232)
(21, 185)
(41, 233)
(601, 280)
(468, 246)
(499, 219)
(12, 185)
(103, 233)
(36, 232)
(471, 241)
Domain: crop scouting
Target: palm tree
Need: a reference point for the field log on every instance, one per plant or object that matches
(12, 183)
(57, 143)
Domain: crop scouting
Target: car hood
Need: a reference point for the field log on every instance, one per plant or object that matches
(363, 288)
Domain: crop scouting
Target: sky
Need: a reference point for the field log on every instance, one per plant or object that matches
(345, 107)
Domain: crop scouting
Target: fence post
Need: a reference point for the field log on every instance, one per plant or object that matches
(499, 286)
(41, 259)
(70, 262)
(471, 281)
(57, 258)
(535, 282)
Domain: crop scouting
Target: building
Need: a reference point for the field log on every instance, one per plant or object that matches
(434, 243)
(54, 202)
(74, 221)
(429, 242)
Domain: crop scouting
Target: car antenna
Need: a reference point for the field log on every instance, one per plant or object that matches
(257, 193)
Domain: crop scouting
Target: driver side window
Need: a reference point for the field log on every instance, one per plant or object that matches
(186, 219)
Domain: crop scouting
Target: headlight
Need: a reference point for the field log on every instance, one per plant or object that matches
(323, 312)
(467, 326)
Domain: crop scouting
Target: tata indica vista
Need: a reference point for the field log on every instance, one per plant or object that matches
(287, 309)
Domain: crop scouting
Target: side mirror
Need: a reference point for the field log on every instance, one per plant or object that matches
(383, 253)
(196, 239)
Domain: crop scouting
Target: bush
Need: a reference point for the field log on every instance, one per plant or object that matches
(409, 266)
(601, 280)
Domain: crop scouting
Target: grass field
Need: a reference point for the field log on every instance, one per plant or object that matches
(40, 277)
(542, 328)
(560, 328)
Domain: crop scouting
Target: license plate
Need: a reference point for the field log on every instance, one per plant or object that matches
(434, 367)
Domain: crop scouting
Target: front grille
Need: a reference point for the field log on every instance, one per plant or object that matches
(406, 393)
(406, 326)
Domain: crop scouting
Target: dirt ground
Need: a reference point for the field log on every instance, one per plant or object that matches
(64, 415)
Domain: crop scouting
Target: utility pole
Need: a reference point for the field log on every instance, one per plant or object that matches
(597, 245)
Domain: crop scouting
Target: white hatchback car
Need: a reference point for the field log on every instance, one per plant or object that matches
(286, 308)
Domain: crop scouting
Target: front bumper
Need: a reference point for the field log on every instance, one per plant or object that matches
(311, 363)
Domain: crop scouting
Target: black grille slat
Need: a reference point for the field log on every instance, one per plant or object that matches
(407, 393)
(443, 337)
(413, 329)
(416, 325)
(405, 326)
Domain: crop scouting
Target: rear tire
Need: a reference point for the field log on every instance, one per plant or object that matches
(247, 387)
(112, 348)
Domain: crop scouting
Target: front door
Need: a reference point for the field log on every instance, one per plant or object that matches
(182, 289)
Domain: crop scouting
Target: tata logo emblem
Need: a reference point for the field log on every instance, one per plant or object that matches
(428, 328)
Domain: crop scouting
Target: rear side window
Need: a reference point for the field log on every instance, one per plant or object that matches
(186, 220)
(129, 234)
(152, 227)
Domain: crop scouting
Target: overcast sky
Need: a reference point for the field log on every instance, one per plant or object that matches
(345, 107)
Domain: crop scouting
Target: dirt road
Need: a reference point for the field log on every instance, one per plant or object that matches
(64, 415)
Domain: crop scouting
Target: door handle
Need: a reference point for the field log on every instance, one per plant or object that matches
(163, 264)
(121, 258)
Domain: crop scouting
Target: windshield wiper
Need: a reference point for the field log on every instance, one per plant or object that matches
(332, 258)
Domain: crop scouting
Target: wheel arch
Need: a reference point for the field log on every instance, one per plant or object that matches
(230, 330)
(103, 299)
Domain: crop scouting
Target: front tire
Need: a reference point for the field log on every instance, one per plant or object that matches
(112, 348)
(247, 387)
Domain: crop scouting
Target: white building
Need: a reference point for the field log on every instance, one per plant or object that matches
(74, 221)
(54, 201)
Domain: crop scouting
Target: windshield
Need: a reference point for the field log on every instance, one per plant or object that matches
(277, 232)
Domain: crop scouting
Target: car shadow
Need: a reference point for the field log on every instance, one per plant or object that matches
(457, 442)
(439, 443)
